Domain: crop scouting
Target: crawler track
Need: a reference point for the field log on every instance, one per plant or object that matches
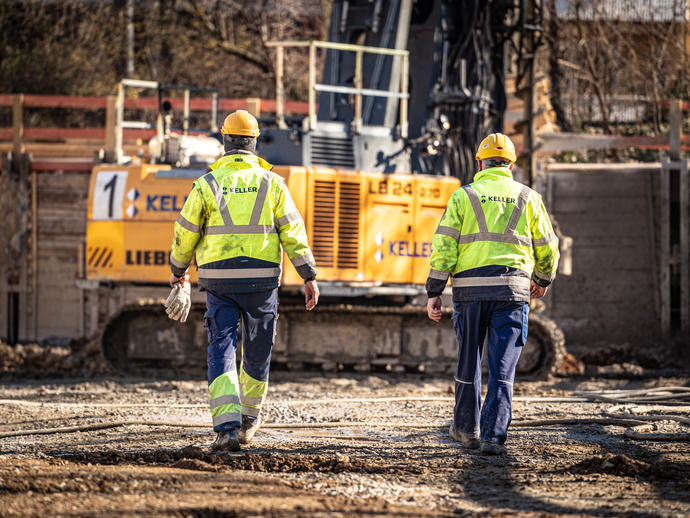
(334, 337)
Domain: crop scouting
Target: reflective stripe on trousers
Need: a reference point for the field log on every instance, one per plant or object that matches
(224, 401)
(252, 393)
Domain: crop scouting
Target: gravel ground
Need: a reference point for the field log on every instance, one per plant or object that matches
(346, 444)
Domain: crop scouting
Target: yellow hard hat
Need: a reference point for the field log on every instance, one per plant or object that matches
(240, 122)
(496, 145)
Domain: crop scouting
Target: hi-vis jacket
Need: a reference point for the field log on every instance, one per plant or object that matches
(236, 218)
(493, 238)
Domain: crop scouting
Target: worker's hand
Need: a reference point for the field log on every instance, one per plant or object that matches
(536, 291)
(311, 295)
(180, 300)
(433, 308)
(174, 279)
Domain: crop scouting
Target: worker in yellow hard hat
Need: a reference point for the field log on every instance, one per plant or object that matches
(496, 242)
(237, 220)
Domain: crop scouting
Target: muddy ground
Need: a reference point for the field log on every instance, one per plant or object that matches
(342, 444)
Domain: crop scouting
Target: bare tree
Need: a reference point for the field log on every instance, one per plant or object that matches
(611, 59)
(80, 47)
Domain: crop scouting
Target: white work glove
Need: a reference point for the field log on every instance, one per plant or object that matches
(179, 301)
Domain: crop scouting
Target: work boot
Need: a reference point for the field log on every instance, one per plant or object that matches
(226, 440)
(250, 425)
(469, 441)
(492, 448)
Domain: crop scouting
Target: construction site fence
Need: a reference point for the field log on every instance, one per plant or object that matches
(18, 102)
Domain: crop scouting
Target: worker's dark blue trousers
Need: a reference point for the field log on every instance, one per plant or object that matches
(506, 324)
(258, 313)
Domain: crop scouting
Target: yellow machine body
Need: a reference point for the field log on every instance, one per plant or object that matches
(364, 228)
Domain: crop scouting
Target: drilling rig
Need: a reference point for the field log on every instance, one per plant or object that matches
(407, 90)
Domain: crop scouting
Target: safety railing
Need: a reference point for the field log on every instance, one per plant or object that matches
(121, 123)
(53, 141)
(357, 89)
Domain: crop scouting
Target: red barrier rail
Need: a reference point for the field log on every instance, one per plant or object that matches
(19, 133)
(149, 103)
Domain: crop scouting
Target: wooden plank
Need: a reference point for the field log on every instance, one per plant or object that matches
(34, 254)
(25, 329)
(225, 104)
(149, 103)
(4, 250)
(90, 133)
(62, 177)
(56, 165)
(254, 106)
(72, 225)
(675, 127)
(61, 242)
(664, 249)
(64, 255)
(110, 125)
(63, 134)
(62, 198)
(57, 151)
(684, 249)
(64, 101)
(63, 212)
(17, 125)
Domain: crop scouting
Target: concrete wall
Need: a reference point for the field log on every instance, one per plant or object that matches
(607, 209)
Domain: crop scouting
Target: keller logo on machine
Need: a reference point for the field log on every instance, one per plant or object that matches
(402, 248)
(132, 196)
(379, 240)
(409, 249)
(164, 203)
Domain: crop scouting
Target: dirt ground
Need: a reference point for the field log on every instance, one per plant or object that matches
(342, 444)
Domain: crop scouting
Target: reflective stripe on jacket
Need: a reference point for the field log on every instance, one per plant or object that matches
(494, 237)
(236, 218)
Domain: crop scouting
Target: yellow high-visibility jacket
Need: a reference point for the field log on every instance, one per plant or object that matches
(236, 219)
(494, 237)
